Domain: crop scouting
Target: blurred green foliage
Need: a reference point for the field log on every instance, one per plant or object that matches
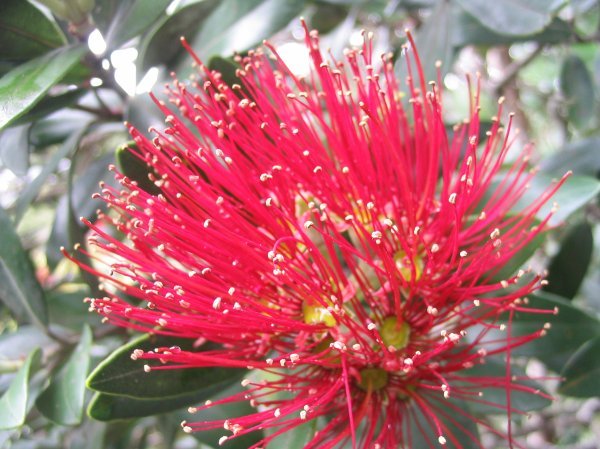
(61, 114)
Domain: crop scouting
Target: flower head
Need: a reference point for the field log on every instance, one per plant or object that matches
(326, 233)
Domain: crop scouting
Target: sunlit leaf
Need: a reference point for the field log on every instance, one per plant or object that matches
(24, 86)
(120, 375)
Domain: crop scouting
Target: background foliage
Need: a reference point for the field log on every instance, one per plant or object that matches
(61, 113)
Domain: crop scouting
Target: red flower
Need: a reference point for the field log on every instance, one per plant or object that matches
(330, 237)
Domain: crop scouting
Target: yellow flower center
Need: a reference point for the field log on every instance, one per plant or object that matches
(394, 333)
(373, 379)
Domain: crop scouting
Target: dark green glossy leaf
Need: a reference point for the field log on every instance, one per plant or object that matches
(512, 16)
(14, 149)
(582, 372)
(135, 168)
(120, 375)
(519, 260)
(582, 157)
(327, 17)
(25, 32)
(569, 329)
(226, 67)
(13, 403)
(19, 288)
(133, 18)
(578, 90)
(494, 368)
(567, 269)
(161, 45)
(106, 407)
(222, 412)
(62, 401)
(24, 86)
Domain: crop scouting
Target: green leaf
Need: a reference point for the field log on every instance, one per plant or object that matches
(14, 149)
(512, 16)
(33, 188)
(78, 202)
(569, 329)
(13, 403)
(434, 43)
(582, 157)
(132, 19)
(577, 87)
(120, 375)
(142, 113)
(160, 45)
(135, 168)
(226, 67)
(50, 104)
(223, 412)
(26, 32)
(519, 259)
(468, 31)
(24, 86)
(104, 12)
(582, 372)
(567, 268)
(19, 288)
(66, 307)
(297, 437)
(575, 193)
(496, 367)
(57, 127)
(236, 25)
(107, 407)
(18, 344)
(62, 401)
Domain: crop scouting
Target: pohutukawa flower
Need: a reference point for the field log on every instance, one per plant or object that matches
(325, 231)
